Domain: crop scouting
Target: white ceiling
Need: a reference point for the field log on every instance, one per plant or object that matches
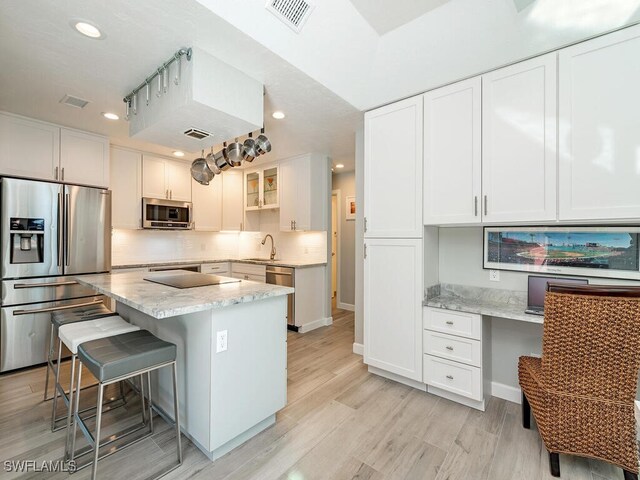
(43, 58)
(387, 15)
(341, 50)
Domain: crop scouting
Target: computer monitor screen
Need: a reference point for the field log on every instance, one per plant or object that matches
(538, 287)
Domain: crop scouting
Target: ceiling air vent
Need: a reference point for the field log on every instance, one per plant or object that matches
(293, 13)
(197, 134)
(74, 101)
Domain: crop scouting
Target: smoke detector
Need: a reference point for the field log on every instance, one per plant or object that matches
(74, 101)
(293, 13)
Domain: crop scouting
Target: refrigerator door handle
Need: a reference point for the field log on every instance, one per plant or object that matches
(67, 243)
(56, 309)
(60, 230)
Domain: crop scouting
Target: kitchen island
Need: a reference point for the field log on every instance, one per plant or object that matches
(232, 353)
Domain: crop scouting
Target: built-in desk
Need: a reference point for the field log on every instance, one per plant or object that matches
(492, 302)
(458, 344)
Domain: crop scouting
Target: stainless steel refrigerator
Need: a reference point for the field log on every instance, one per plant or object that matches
(49, 233)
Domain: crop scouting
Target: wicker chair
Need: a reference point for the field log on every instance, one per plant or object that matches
(582, 390)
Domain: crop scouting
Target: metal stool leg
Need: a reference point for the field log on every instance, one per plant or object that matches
(149, 404)
(49, 364)
(55, 390)
(176, 413)
(96, 446)
(70, 401)
(71, 450)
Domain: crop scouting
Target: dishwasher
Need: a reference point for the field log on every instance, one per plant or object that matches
(285, 276)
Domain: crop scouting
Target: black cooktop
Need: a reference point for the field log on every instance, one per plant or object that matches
(190, 280)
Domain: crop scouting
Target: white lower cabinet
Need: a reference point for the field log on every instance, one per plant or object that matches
(457, 356)
(249, 271)
(393, 306)
(217, 268)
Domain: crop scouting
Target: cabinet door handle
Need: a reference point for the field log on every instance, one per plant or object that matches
(450, 377)
(170, 194)
(449, 347)
(166, 194)
(55, 174)
(449, 322)
(291, 225)
(475, 206)
(365, 250)
(295, 227)
(485, 204)
(365, 224)
(63, 174)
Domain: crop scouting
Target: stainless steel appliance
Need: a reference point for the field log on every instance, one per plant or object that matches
(285, 276)
(47, 231)
(166, 214)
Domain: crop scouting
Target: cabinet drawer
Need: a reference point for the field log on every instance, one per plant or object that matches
(459, 349)
(454, 377)
(215, 268)
(248, 276)
(248, 268)
(455, 323)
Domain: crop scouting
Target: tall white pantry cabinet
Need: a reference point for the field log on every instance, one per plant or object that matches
(393, 249)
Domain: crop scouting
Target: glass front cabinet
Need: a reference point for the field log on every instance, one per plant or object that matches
(261, 188)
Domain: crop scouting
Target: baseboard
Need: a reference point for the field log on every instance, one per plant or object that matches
(347, 306)
(321, 322)
(358, 348)
(398, 378)
(506, 392)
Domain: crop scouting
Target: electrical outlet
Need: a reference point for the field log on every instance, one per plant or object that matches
(221, 341)
(494, 275)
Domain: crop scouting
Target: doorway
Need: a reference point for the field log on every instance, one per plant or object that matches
(335, 221)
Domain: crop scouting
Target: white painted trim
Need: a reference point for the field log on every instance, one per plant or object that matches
(347, 306)
(358, 348)
(321, 322)
(398, 378)
(338, 195)
(506, 392)
(469, 402)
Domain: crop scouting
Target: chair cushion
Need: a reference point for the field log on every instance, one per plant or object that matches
(80, 314)
(74, 334)
(122, 355)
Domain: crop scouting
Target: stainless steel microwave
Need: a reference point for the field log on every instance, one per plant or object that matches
(166, 214)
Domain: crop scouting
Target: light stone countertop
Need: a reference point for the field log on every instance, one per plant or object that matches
(277, 263)
(493, 302)
(161, 301)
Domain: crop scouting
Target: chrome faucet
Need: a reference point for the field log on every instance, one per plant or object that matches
(273, 247)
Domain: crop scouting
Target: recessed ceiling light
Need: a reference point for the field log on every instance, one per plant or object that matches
(87, 29)
(278, 115)
(339, 165)
(110, 116)
(178, 153)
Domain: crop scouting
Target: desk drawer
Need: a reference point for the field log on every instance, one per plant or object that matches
(455, 323)
(454, 348)
(454, 377)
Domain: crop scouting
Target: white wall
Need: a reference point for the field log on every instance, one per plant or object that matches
(346, 184)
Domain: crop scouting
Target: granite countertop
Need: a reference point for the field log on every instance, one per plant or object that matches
(161, 301)
(277, 263)
(484, 301)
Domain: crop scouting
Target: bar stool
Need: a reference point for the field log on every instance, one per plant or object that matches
(74, 314)
(73, 334)
(117, 358)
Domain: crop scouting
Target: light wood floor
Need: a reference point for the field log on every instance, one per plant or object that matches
(340, 423)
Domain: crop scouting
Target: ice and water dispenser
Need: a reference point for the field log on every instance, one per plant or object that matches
(27, 240)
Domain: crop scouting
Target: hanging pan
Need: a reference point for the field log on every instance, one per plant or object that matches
(200, 172)
(234, 153)
(250, 150)
(263, 145)
(221, 158)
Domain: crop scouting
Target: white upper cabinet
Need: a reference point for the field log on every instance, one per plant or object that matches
(599, 112)
(126, 188)
(232, 211)
(28, 148)
(393, 297)
(163, 178)
(304, 193)
(84, 158)
(453, 153)
(207, 205)
(393, 170)
(519, 160)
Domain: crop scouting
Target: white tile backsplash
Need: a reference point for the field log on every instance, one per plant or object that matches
(149, 246)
